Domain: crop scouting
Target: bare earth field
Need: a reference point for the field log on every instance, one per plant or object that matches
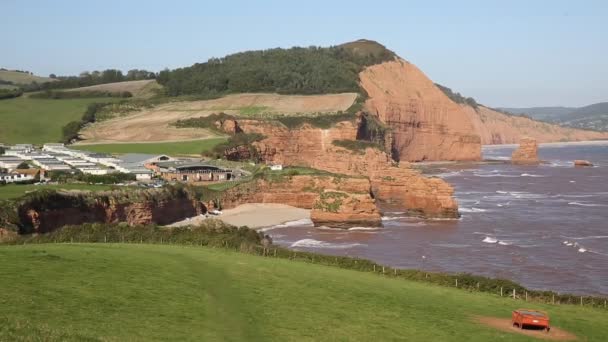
(153, 124)
(504, 324)
(139, 89)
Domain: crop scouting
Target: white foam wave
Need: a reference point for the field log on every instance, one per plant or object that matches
(392, 218)
(302, 222)
(505, 243)
(501, 192)
(450, 245)
(472, 210)
(488, 239)
(530, 175)
(364, 228)
(592, 237)
(586, 204)
(312, 243)
(448, 174)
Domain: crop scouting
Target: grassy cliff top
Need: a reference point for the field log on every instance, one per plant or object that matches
(154, 292)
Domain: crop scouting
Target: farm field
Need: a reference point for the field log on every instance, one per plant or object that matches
(159, 292)
(191, 147)
(22, 78)
(154, 124)
(38, 121)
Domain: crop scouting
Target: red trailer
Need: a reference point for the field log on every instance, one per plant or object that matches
(530, 318)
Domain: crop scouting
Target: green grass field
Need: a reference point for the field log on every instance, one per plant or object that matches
(17, 190)
(114, 292)
(38, 121)
(193, 147)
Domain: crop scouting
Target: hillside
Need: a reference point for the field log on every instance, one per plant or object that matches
(139, 89)
(593, 116)
(152, 292)
(154, 124)
(22, 78)
(38, 121)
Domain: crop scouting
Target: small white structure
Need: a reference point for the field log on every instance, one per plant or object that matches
(276, 167)
(14, 177)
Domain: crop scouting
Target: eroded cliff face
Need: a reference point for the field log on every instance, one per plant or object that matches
(425, 123)
(42, 219)
(354, 206)
(496, 128)
(342, 210)
(313, 147)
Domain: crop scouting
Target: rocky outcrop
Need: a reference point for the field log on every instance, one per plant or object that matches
(64, 208)
(313, 147)
(7, 235)
(343, 210)
(526, 153)
(425, 123)
(496, 128)
(354, 206)
(580, 162)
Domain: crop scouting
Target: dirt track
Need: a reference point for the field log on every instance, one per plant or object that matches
(153, 124)
(504, 324)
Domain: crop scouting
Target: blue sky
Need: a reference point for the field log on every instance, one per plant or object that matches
(503, 53)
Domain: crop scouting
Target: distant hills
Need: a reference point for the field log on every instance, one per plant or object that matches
(593, 116)
(15, 78)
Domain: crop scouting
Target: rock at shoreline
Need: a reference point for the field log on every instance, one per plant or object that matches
(344, 210)
(526, 153)
(580, 162)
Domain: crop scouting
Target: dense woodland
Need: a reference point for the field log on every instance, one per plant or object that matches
(312, 70)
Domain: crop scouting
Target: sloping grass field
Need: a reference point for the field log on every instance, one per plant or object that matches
(120, 292)
(38, 121)
(17, 190)
(191, 147)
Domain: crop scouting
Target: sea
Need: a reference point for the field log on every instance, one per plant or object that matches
(544, 226)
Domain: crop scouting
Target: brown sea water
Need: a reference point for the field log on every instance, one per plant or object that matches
(544, 226)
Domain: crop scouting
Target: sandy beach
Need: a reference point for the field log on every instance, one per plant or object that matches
(254, 215)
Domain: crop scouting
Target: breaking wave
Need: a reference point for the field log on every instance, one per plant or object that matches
(488, 239)
(530, 175)
(472, 210)
(302, 222)
(364, 228)
(586, 204)
(312, 243)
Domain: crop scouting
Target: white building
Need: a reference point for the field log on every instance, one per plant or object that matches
(14, 177)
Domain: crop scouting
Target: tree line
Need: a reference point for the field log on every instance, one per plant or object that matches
(311, 70)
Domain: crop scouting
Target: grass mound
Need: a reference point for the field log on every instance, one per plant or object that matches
(152, 292)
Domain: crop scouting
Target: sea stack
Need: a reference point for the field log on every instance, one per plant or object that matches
(526, 153)
(580, 162)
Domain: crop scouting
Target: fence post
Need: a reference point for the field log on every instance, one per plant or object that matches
(395, 271)
(456, 282)
(526, 296)
(275, 252)
(501, 291)
(553, 299)
(581, 300)
(477, 286)
(105, 239)
(374, 268)
(513, 293)
(382, 269)
(604, 303)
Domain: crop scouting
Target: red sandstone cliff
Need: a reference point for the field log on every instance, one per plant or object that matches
(426, 124)
(313, 147)
(103, 208)
(497, 128)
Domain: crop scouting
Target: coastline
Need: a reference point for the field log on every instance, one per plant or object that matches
(253, 215)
